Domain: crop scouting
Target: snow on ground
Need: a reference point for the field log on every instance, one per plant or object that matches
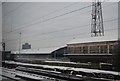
(68, 68)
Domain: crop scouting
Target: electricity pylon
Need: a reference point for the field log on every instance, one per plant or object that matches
(97, 28)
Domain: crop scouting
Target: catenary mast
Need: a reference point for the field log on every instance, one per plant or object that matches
(97, 28)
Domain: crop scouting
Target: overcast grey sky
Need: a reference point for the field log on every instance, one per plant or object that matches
(42, 28)
(0, 25)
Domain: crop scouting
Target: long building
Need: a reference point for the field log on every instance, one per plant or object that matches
(94, 50)
(40, 54)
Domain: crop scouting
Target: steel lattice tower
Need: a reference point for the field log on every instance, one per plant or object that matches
(97, 19)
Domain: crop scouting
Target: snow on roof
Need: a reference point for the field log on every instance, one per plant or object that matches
(94, 39)
(38, 51)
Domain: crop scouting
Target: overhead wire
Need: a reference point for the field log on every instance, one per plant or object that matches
(110, 20)
(29, 25)
(19, 6)
(65, 29)
(52, 38)
(53, 12)
(68, 29)
(63, 19)
(72, 34)
(51, 18)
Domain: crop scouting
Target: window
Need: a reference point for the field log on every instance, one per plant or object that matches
(85, 49)
(80, 50)
(94, 49)
(71, 50)
(111, 49)
(75, 50)
(103, 49)
(68, 49)
(26, 46)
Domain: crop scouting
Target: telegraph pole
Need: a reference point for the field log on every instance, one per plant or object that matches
(97, 19)
(20, 42)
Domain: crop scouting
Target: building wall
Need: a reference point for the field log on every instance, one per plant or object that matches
(30, 57)
(93, 48)
(36, 30)
(59, 53)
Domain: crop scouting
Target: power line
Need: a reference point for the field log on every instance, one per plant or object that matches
(83, 33)
(47, 14)
(48, 24)
(29, 25)
(75, 34)
(53, 12)
(71, 28)
(52, 18)
(65, 29)
(14, 9)
(72, 35)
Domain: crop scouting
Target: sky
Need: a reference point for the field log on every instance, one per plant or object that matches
(0, 26)
(50, 24)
